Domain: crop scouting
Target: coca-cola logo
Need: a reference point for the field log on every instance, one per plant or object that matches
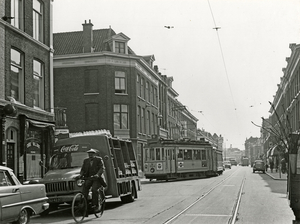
(69, 148)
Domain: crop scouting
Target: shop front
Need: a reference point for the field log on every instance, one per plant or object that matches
(25, 143)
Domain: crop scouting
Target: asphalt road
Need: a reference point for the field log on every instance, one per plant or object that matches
(257, 197)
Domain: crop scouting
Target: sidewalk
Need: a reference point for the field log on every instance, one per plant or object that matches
(276, 175)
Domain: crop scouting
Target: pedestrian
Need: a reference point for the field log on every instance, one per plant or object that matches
(271, 165)
(283, 165)
(267, 166)
(92, 170)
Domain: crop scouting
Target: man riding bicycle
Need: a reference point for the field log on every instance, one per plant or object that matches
(92, 170)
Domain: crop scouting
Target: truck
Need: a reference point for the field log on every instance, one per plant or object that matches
(121, 169)
(245, 161)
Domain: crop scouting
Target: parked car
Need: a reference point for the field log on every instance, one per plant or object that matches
(259, 165)
(19, 201)
(227, 164)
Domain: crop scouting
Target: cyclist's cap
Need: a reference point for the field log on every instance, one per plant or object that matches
(92, 151)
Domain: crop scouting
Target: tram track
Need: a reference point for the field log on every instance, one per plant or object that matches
(233, 217)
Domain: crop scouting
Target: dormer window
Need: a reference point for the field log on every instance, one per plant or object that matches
(120, 47)
(118, 43)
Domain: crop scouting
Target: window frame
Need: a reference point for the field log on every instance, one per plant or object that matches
(41, 76)
(20, 67)
(17, 12)
(120, 47)
(38, 21)
(120, 81)
(119, 112)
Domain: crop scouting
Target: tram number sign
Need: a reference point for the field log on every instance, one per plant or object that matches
(180, 164)
(159, 166)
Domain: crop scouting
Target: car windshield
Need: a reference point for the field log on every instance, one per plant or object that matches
(67, 160)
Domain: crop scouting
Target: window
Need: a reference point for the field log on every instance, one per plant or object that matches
(147, 90)
(187, 154)
(38, 84)
(16, 75)
(5, 179)
(139, 119)
(120, 82)
(91, 81)
(138, 85)
(121, 120)
(157, 152)
(143, 120)
(91, 116)
(142, 90)
(37, 20)
(120, 47)
(17, 13)
(148, 123)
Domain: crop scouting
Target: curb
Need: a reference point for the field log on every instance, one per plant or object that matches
(275, 178)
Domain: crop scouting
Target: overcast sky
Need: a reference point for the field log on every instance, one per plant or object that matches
(225, 77)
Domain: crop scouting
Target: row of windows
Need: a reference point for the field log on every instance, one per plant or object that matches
(91, 84)
(146, 121)
(17, 80)
(146, 91)
(182, 154)
(17, 12)
(120, 116)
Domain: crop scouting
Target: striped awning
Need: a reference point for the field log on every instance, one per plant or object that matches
(275, 150)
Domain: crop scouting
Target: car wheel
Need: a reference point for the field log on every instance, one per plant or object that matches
(24, 217)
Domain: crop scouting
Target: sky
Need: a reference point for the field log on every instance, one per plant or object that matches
(226, 76)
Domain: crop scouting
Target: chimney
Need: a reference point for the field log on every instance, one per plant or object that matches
(87, 37)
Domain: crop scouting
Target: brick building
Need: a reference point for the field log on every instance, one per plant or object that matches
(103, 84)
(26, 85)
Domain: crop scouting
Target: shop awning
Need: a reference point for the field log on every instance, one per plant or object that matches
(275, 151)
(40, 124)
(268, 152)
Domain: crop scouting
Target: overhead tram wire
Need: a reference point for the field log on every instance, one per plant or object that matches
(223, 59)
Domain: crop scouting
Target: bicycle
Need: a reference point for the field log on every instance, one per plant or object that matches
(80, 205)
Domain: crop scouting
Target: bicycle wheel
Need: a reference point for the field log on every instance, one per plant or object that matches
(101, 205)
(79, 207)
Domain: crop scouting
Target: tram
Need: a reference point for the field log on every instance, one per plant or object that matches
(166, 159)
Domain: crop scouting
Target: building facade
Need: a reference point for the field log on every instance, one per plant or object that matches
(284, 110)
(26, 86)
(103, 84)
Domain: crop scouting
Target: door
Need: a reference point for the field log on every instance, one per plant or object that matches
(11, 155)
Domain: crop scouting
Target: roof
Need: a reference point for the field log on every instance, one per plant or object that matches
(71, 42)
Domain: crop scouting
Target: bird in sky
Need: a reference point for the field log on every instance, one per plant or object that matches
(169, 27)
(216, 28)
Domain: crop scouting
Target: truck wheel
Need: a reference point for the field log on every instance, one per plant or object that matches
(130, 197)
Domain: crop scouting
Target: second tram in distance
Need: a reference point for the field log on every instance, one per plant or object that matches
(166, 159)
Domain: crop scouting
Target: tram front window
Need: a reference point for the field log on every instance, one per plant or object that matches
(157, 153)
(152, 155)
(187, 154)
(180, 155)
